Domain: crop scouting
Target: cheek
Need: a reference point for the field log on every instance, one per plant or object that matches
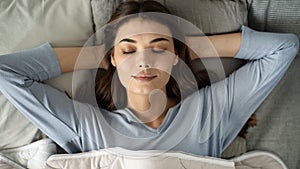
(164, 61)
(164, 78)
(124, 73)
(126, 67)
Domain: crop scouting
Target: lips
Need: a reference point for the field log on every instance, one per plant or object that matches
(144, 77)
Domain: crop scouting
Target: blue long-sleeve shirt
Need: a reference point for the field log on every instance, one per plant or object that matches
(204, 123)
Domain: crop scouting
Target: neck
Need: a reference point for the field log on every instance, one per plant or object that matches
(150, 108)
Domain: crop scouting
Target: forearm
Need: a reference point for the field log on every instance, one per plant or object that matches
(67, 58)
(74, 58)
(224, 45)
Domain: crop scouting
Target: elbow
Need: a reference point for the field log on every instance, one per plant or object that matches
(292, 42)
(297, 43)
(3, 76)
(3, 71)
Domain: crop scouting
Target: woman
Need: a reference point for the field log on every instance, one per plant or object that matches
(202, 123)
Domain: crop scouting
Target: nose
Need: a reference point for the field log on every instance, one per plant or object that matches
(144, 61)
(144, 66)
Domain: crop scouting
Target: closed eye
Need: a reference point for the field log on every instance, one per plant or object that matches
(155, 50)
(128, 52)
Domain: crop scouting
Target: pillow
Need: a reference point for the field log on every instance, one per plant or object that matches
(275, 16)
(212, 16)
(102, 11)
(27, 24)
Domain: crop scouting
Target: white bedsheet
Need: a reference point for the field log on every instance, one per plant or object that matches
(32, 156)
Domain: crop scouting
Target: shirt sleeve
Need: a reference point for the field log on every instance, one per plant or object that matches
(21, 76)
(269, 56)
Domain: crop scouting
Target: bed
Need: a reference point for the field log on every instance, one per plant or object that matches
(66, 23)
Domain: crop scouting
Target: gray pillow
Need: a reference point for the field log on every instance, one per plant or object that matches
(102, 10)
(212, 16)
(275, 16)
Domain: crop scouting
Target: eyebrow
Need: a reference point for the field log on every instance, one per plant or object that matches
(152, 41)
(159, 39)
(127, 40)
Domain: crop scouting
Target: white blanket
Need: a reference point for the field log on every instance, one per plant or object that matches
(118, 158)
(38, 155)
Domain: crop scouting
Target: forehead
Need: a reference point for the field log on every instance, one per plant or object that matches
(138, 27)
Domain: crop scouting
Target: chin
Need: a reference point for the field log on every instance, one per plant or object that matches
(144, 90)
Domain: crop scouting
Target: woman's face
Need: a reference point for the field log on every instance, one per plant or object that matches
(144, 55)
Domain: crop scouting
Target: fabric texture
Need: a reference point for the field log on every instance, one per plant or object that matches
(235, 149)
(118, 158)
(30, 22)
(278, 130)
(275, 16)
(6, 163)
(32, 156)
(212, 16)
(241, 93)
(258, 159)
(102, 10)
(27, 24)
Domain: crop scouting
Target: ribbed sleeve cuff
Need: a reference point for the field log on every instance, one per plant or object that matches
(244, 43)
(48, 61)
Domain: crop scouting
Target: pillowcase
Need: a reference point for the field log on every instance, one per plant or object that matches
(30, 23)
(27, 24)
(275, 16)
(102, 11)
(212, 16)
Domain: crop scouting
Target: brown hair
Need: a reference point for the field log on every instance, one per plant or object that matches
(105, 91)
